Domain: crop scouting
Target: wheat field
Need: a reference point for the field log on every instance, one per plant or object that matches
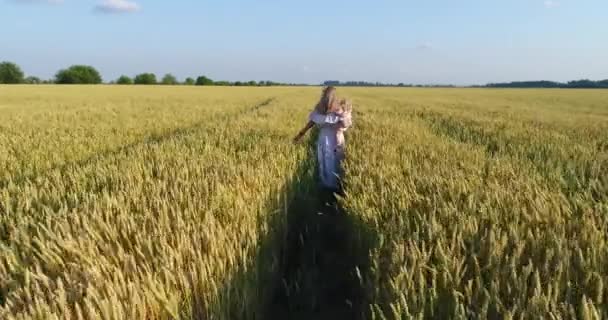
(177, 202)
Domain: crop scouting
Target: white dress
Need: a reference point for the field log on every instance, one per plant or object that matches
(330, 145)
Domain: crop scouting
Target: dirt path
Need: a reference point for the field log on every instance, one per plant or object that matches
(319, 276)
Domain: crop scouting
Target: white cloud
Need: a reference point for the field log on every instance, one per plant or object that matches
(117, 6)
(550, 4)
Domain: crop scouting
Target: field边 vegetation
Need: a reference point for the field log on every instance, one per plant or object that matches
(164, 202)
(483, 204)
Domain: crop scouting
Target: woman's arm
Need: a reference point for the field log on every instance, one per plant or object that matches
(302, 132)
(322, 119)
(341, 120)
(347, 120)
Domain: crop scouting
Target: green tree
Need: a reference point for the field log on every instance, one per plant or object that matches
(189, 81)
(10, 73)
(78, 74)
(33, 80)
(585, 83)
(252, 83)
(124, 80)
(169, 79)
(145, 78)
(203, 81)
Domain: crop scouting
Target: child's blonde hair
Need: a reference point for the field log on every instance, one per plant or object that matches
(345, 105)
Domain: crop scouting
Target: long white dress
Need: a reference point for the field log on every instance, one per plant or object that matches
(330, 145)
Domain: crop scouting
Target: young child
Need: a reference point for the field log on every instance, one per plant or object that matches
(344, 111)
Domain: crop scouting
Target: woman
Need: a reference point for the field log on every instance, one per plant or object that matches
(332, 117)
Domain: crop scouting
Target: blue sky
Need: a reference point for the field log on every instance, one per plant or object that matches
(432, 41)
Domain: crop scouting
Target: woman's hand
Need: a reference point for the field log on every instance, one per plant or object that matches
(298, 138)
(302, 132)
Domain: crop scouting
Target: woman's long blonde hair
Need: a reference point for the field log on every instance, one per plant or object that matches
(328, 102)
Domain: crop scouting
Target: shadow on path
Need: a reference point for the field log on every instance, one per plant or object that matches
(320, 252)
(322, 262)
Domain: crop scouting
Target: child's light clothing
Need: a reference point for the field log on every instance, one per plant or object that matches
(330, 144)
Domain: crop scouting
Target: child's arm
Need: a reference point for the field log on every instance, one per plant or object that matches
(302, 132)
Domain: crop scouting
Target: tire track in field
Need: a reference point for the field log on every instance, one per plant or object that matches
(125, 150)
(120, 153)
(586, 177)
(152, 139)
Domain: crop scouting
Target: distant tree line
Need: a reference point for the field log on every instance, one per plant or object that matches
(11, 73)
(577, 84)
(169, 79)
(337, 83)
